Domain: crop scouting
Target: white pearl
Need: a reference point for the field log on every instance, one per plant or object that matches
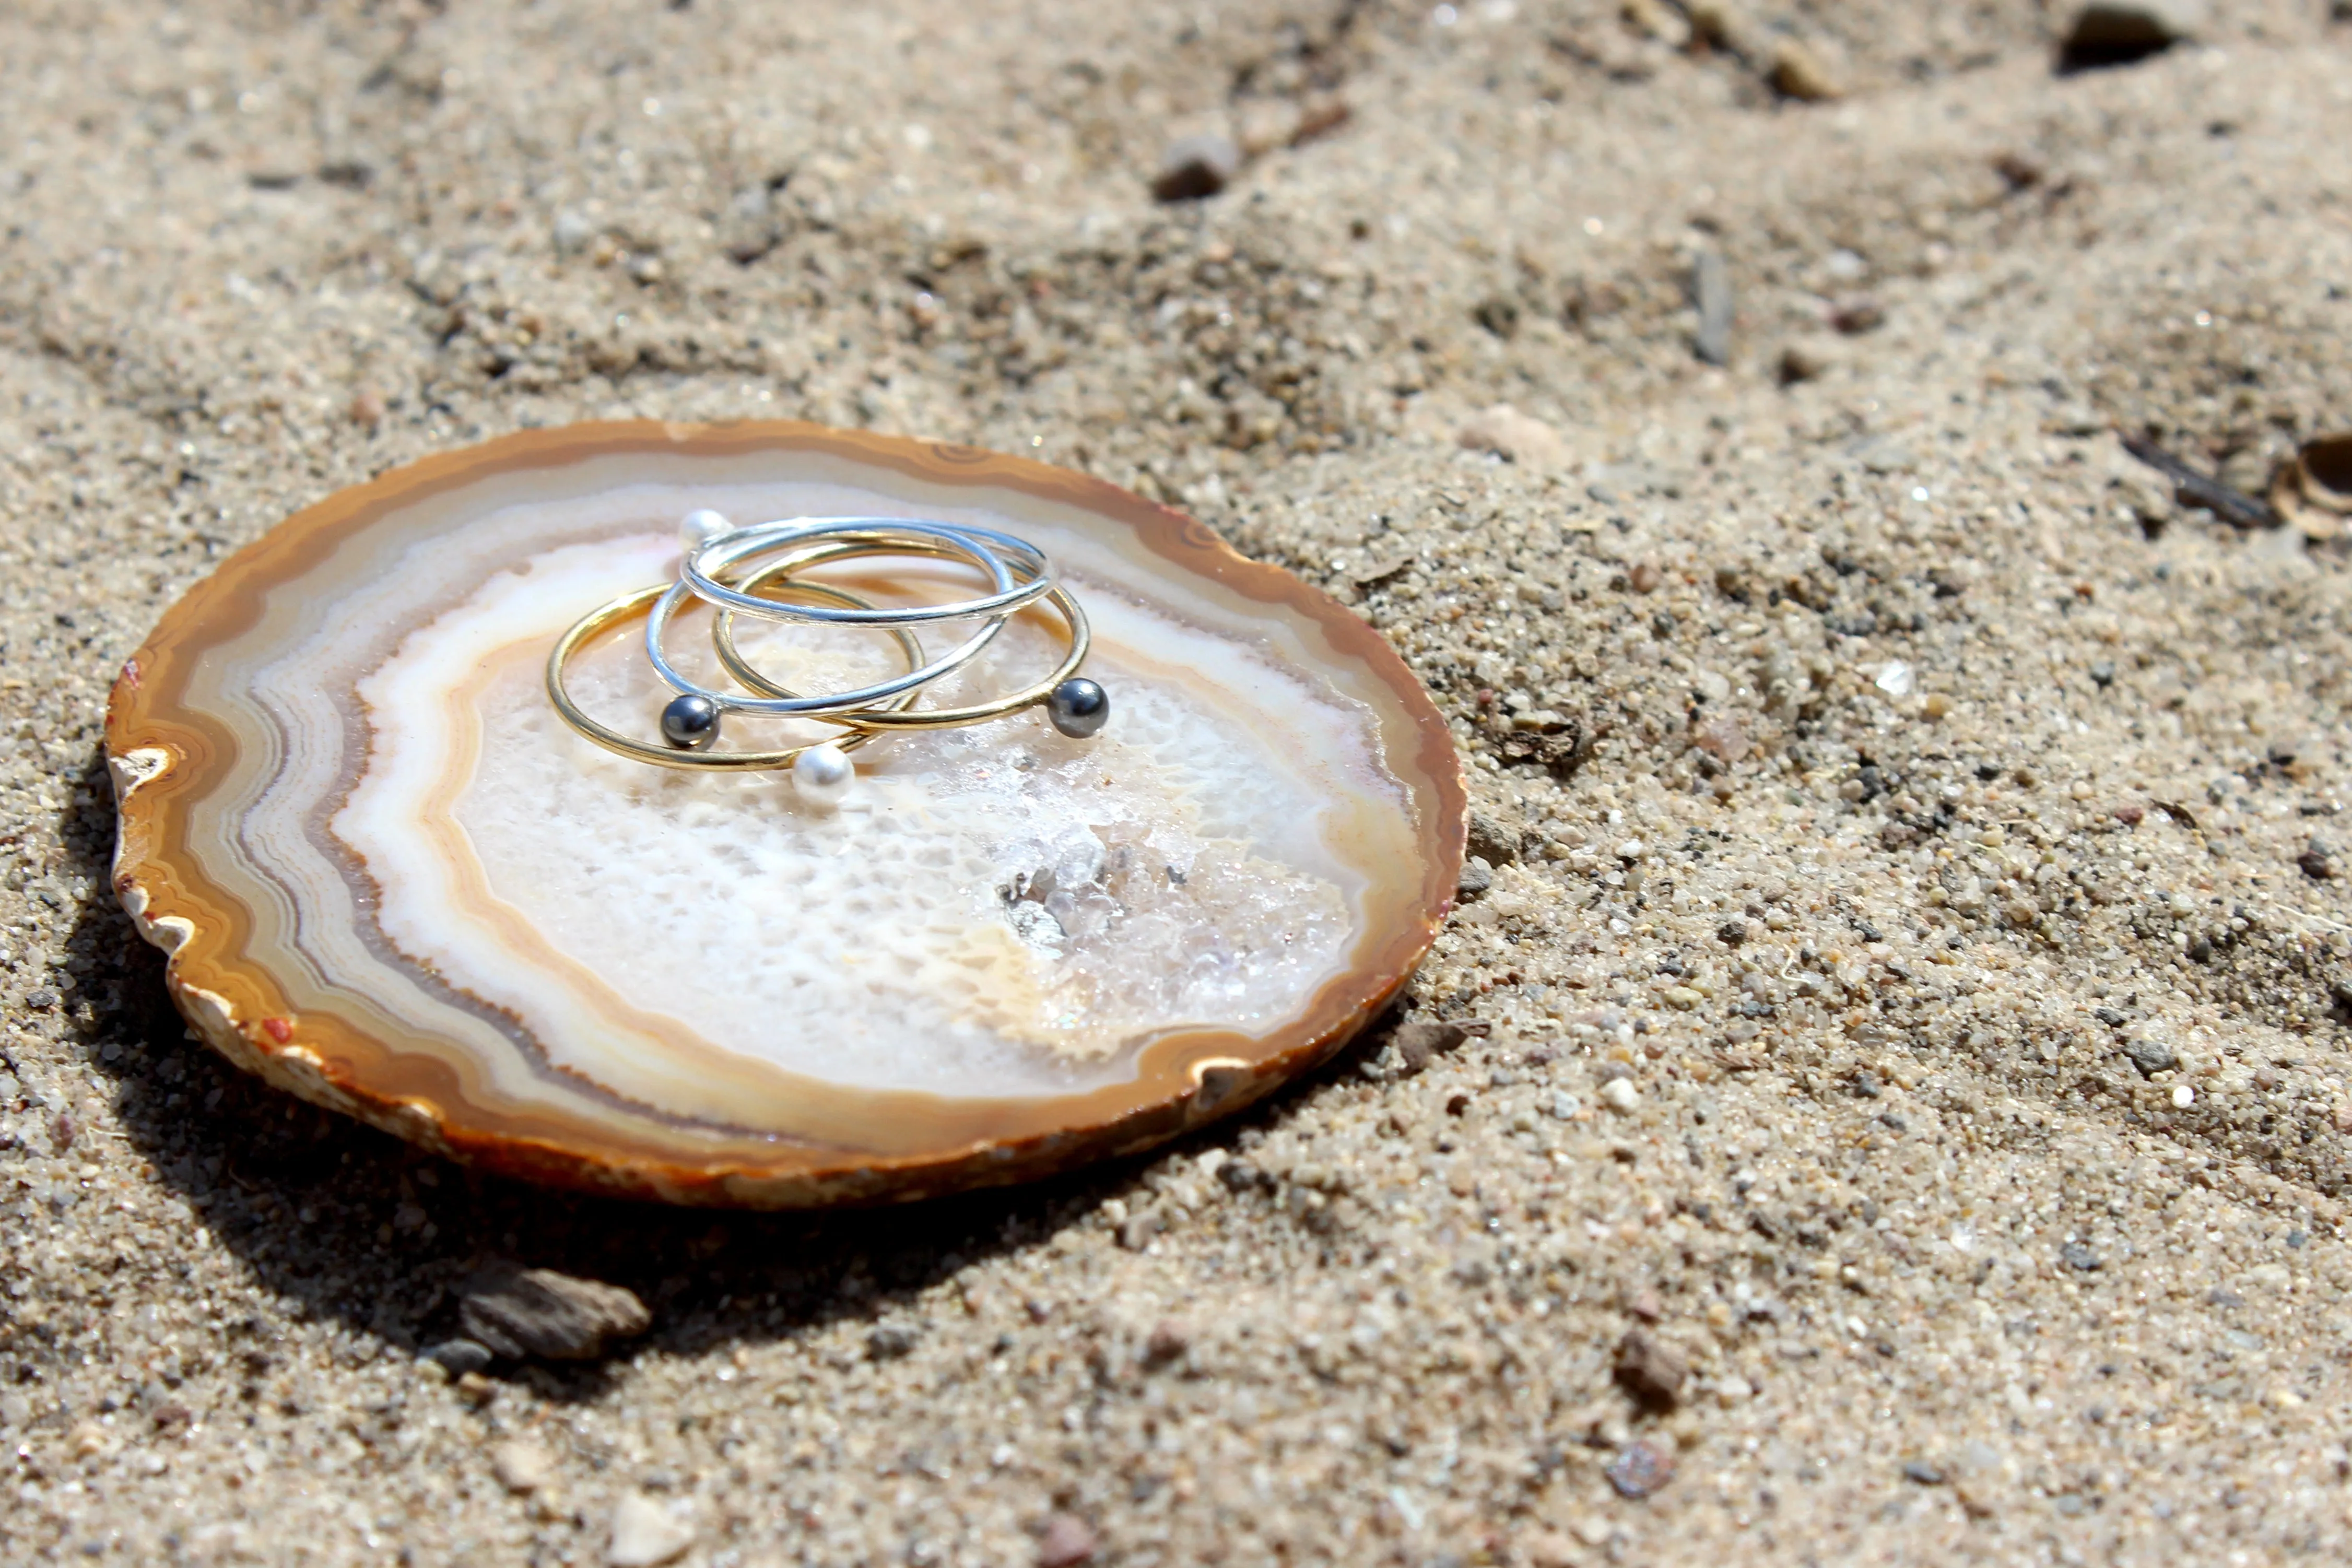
(699, 527)
(824, 775)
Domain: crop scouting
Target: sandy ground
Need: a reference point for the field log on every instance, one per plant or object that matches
(1955, 879)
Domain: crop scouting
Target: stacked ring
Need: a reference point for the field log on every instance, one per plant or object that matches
(754, 571)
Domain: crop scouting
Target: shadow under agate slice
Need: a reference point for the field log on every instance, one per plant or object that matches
(391, 880)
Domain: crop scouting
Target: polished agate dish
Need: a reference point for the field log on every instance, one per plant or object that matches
(392, 881)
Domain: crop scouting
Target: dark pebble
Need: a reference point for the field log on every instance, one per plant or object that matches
(2151, 1057)
(2120, 33)
(1731, 933)
(2075, 1255)
(1474, 880)
(41, 1000)
(1926, 1475)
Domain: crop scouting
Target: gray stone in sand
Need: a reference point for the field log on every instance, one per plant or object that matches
(1476, 877)
(520, 1312)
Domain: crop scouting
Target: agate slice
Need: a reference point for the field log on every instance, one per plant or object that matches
(392, 882)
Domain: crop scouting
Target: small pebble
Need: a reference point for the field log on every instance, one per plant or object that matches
(522, 1465)
(1619, 1094)
(1477, 878)
(646, 1534)
(1066, 1541)
(1798, 72)
(1806, 361)
(459, 1357)
(1168, 1341)
(1508, 434)
(888, 1341)
(1493, 840)
(1649, 1371)
(1711, 292)
(1641, 1468)
(2117, 32)
(1196, 168)
(1550, 1548)
(1417, 1044)
(1856, 314)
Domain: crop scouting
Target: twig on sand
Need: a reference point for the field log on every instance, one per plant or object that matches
(2194, 490)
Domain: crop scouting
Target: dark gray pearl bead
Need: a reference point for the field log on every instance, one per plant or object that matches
(1079, 707)
(690, 723)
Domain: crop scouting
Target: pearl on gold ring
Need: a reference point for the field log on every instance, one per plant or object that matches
(824, 775)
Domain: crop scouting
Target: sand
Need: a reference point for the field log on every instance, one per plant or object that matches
(1917, 1003)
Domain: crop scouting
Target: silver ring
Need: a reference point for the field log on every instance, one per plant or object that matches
(749, 543)
(731, 550)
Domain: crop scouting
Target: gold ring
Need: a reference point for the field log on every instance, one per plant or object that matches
(605, 616)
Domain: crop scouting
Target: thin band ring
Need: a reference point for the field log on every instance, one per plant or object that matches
(723, 638)
(863, 698)
(606, 615)
(860, 543)
(704, 561)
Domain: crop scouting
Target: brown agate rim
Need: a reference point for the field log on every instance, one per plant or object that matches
(240, 1009)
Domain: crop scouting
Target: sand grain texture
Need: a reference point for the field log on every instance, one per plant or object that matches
(1915, 998)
